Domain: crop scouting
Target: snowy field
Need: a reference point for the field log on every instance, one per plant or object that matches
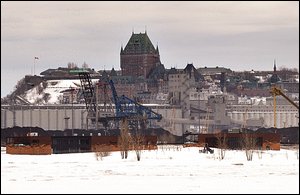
(170, 169)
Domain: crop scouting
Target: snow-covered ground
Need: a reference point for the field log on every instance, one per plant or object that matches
(169, 170)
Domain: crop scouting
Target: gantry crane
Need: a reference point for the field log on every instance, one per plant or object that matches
(125, 108)
(275, 91)
(128, 109)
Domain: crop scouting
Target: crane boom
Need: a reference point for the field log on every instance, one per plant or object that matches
(126, 107)
(277, 91)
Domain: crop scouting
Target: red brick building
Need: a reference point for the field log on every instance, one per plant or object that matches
(139, 56)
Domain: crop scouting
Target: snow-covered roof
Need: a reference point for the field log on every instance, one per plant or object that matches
(53, 88)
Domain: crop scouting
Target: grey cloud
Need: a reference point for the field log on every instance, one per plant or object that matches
(206, 33)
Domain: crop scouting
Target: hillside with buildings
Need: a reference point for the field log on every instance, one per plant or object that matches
(197, 98)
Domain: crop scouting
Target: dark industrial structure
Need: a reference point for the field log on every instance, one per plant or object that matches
(41, 145)
(264, 141)
(28, 145)
(125, 108)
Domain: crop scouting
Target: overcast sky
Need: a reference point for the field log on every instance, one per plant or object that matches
(236, 35)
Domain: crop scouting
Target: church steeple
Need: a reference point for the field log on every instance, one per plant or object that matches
(274, 78)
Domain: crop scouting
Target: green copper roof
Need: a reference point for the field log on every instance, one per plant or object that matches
(139, 44)
(78, 71)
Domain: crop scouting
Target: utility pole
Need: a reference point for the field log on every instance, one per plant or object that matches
(66, 119)
(97, 106)
(72, 91)
(274, 110)
(199, 112)
(48, 118)
(22, 110)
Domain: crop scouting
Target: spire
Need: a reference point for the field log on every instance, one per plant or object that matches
(145, 29)
(274, 65)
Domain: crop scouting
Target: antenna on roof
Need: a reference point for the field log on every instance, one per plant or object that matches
(132, 30)
(145, 29)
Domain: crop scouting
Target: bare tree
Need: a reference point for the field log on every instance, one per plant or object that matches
(46, 97)
(137, 142)
(40, 88)
(222, 144)
(287, 73)
(259, 153)
(72, 65)
(248, 143)
(102, 151)
(124, 139)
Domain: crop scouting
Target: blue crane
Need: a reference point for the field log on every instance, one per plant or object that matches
(128, 108)
(125, 108)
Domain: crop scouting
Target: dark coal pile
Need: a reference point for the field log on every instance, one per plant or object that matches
(163, 136)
